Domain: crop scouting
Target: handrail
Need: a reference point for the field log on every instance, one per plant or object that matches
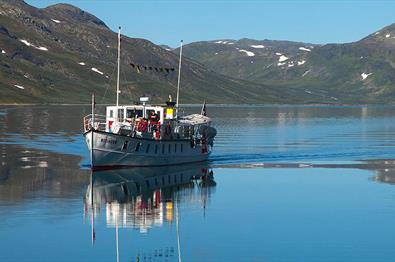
(99, 124)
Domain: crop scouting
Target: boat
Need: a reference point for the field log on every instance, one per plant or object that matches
(143, 134)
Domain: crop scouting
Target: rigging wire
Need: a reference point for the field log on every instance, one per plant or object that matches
(108, 85)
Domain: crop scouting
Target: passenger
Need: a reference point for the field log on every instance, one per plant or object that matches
(153, 121)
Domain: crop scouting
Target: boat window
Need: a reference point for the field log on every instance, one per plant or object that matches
(163, 149)
(156, 182)
(182, 147)
(137, 146)
(134, 113)
(168, 179)
(111, 113)
(156, 149)
(169, 148)
(148, 112)
(120, 114)
(147, 183)
(175, 179)
(163, 180)
(125, 145)
(147, 149)
(186, 131)
(175, 148)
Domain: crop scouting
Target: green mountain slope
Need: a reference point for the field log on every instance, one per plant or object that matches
(359, 72)
(61, 54)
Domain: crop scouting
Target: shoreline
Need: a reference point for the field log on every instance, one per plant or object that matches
(215, 105)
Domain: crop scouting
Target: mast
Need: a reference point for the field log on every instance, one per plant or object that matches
(119, 61)
(178, 230)
(92, 129)
(179, 77)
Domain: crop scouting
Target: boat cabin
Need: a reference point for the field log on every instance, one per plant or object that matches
(131, 113)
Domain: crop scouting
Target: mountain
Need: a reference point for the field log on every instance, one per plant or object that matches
(358, 72)
(247, 58)
(62, 54)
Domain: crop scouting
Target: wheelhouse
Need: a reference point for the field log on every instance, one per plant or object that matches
(129, 113)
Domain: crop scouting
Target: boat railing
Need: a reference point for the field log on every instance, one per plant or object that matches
(97, 123)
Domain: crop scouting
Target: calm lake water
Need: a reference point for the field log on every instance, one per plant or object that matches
(284, 183)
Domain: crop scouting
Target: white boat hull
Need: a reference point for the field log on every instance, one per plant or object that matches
(110, 150)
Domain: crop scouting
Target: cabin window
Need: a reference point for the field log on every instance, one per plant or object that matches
(175, 148)
(139, 113)
(163, 149)
(147, 183)
(130, 113)
(186, 131)
(168, 179)
(138, 145)
(169, 148)
(134, 113)
(147, 149)
(175, 179)
(163, 180)
(148, 112)
(125, 145)
(156, 182)
(156, 149)
(120, 114)
(111, 113)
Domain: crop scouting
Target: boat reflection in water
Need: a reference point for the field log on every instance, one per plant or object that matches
(145, 197)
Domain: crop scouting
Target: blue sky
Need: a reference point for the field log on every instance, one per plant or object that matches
(166, 22)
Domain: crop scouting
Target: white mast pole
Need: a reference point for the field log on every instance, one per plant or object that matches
(179, 77)
(119, 61)
(178, 230)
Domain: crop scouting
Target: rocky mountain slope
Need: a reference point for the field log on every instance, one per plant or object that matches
(247, 58)
(61, 54)
(359, 72)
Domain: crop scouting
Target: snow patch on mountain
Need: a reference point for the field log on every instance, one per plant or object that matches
(224, 42)
(304, 49)
(364, 75)
(25, 42)
(81, 63)
(249, 53)
(97, 71)
(42, 48)
(19, 86)
(30, 44)
(282, 58)
(56, 21)
(257, 46)
(301, 62)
